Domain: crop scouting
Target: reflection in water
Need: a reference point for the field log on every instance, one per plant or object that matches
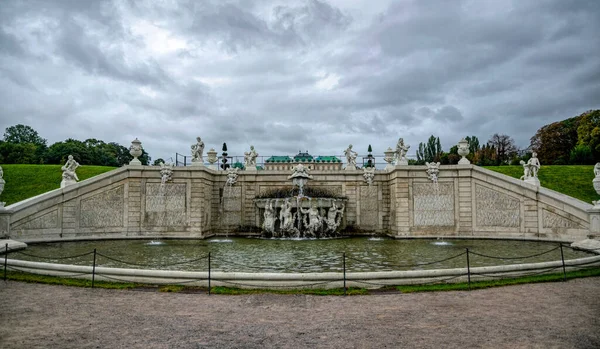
(293, 255)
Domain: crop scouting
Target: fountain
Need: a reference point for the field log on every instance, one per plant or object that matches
(301, 216)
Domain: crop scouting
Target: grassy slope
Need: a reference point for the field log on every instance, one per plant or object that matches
(25, 181)
(575, 181)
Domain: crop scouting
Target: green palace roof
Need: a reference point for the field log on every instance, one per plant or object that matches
(327, 159)
(279, 159)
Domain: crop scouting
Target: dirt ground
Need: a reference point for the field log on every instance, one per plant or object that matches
(553, 315)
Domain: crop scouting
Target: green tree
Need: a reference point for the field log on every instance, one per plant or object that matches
(158, 161)
(588, 132)
(19, 153)
(23, 134)
(553, 142)
(473, 144)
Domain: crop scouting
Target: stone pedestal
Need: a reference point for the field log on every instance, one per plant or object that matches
(65, 182)
(197, 163)
(213, 167)
(532, 181)
(595, 220)
(350, 167)
(389, 167)
(251, 168)
(464, 161)
(402, 162)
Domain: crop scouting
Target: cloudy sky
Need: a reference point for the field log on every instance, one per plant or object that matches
(289, 75)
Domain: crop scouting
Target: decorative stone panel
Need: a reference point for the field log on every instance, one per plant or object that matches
(496, 209)
(104, 209)
(369, 207)
(433, 205)
(232, 205)
(165, 205)
(47, 220)
(553, 220)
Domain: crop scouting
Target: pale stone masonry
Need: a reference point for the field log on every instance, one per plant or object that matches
(467, 201)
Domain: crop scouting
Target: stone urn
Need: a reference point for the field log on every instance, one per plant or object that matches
(463, 150)
(212, 158)
(136, 151)
(389, 158)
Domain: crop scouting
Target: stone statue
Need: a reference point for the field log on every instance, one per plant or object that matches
(69, 176)
(369, 174)
(269, 222)
(232, 175)
(250, 159)
(595, 182)
(166, 172)
(433, 170)
(198, 152)
(286, 219)
(2, 182)
(530, 170)
(351, 158)
(400, 154)
(333, 219)
(314, 222)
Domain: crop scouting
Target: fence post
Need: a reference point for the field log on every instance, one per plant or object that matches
(209, 273)
(344, 273)
(5, 258)
(562, 257)
(468, 269)
(94, 269)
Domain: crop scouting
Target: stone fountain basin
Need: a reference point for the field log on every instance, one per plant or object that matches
(305, 202)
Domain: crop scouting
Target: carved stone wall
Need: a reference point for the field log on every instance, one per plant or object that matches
(165, 205)
(104, 209)
(496, 209)
(553, 220)
(433, 205)
(369, 207)
(46, 220)
(232, 206)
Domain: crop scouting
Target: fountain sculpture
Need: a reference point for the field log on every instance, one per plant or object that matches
(433, 170)
(69, 176)
(530, 170)
(301, 216)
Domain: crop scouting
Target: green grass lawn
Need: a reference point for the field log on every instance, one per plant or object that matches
(572, 180)
(25, 181)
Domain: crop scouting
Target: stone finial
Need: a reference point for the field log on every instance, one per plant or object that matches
(198, 152)
(530, 170)
(212, 158)
(463, 151)
(135, 149)
(389, 158)
(69, 176)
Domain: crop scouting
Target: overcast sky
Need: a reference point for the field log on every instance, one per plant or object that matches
(290, 75)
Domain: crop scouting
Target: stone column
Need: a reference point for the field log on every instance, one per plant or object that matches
(594, 222)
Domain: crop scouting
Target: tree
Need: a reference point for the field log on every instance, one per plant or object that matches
(505, 147)
(473, 144)
(588, 132)
(23, 134)
(430, 151)
(158, 161)
(553, 142)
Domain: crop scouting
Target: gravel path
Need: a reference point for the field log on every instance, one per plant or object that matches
(553, 315)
